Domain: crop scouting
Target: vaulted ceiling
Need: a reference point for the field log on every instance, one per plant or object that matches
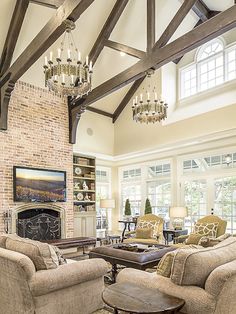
(123, 26)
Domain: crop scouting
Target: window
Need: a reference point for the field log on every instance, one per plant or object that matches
(103, 190)
(133, 173)
(159, 194)
(225, 201)
(214, 65)
(132, 191)
(195, 197)
(160, 170)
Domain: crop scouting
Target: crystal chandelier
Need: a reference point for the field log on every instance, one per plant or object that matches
(149, 108)
(68, 76)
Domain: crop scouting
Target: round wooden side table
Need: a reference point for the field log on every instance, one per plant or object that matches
(130, 298)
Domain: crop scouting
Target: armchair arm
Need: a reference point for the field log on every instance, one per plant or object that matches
(130, 233)
(181, 238)
(46, 281)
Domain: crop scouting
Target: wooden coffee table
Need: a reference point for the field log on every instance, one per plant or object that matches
(131, 298)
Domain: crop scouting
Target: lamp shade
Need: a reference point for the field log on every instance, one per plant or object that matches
(178, 212)
(107, 203)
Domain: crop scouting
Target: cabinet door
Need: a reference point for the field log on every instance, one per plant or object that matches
(90, 226)
(78, 227)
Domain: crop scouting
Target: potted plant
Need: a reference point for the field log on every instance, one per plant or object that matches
(148, 207)
(127, 208)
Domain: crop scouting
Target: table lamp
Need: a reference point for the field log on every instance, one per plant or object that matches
(178, 213)
(107, 203)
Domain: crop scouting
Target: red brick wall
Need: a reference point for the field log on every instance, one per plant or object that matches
(37, 136)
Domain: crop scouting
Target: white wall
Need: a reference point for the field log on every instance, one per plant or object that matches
(95, 135)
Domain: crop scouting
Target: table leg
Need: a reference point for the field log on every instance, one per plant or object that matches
(116, 311)
(123, 232)
(113, 273)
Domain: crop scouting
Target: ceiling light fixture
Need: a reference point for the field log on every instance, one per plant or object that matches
(149, 108)
(68, 77)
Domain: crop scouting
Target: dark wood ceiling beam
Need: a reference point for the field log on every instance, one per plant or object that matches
(107, 29)
(167, 34)
(202, 11)
(13, 34)
(71, 9)
(174, 23)
(99, 111)
(54, 4)
(214, 27)
(151, 37)
(127, 98)
(126, 49)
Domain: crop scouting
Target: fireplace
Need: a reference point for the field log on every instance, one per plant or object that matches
(39, 222)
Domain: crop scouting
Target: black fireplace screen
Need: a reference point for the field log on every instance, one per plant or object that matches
(39, 224)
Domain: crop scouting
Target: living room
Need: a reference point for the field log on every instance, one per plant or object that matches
(118, 147)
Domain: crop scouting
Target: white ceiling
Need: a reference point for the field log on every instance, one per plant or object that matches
(130, 30)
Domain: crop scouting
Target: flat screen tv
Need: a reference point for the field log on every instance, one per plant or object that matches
(38, 185)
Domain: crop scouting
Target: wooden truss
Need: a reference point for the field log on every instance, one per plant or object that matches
(210, 25)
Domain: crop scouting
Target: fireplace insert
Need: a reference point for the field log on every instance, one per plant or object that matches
(39, 224)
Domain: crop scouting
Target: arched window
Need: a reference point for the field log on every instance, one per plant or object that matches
(214, 64)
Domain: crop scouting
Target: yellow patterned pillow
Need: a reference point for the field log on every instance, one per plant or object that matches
(165, 264)
(143, 233)
(151, 224)
(206, 228)
(194, 238)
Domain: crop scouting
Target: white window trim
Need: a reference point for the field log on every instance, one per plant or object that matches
(209, 90)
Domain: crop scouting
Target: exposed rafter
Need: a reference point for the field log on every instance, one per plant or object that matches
(107, 29)
(71, 9)
(165, 37)
(99, 111)
(126, 49)
(150, 25)
(55, 4)
(214, 27)
(13, 34)
(202, 10)
(127, 98)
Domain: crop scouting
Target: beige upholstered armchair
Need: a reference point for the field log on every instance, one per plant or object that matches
(207, 220)
(149, 230)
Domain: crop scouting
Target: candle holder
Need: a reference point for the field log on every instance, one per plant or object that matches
(7, 220)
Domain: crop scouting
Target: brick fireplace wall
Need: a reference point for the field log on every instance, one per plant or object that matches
(37, 136)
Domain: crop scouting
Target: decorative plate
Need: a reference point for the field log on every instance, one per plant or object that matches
(78, 171)
(80, 196)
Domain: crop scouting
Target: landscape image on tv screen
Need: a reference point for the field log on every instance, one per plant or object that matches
(39, 185)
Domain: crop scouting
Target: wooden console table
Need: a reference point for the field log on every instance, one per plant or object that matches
(79, 242)
(132, 298)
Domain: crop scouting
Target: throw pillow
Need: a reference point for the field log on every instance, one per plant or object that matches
(42, 254)
(194, 238)
(206, 228)
(151, 224)
(165, 264)
(144, 233)
(3, 239)
(61, 259)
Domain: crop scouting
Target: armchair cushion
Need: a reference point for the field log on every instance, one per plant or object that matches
(144, 233)
(67, 275)
(42, 254)
(206, 228)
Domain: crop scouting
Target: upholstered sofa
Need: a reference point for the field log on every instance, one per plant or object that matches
(73, 288)
(205, 278)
